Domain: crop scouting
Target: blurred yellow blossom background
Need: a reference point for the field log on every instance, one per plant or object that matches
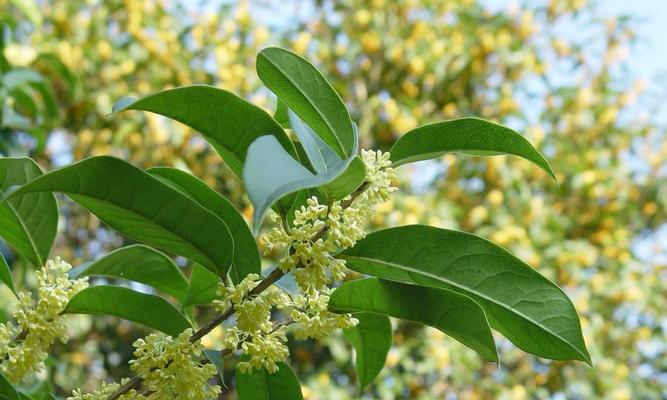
(558, 70)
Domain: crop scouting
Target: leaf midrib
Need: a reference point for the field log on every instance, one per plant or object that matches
(33, 245)
(151, 221)
(436, 277)
(326, 121)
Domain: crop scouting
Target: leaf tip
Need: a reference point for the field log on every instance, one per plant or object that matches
(122, 104)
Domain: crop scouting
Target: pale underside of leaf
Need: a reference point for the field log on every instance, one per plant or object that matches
(270, 174)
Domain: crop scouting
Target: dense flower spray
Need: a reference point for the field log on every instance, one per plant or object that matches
(317, 233)
(38, 321)
(254, 332)
(169, 367)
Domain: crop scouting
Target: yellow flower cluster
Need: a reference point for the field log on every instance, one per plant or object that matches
(170, 367)
(254, 332)
(335, 227)
(39, 323)
(105, 391)
(313, 318)
(380, 174)
(318, 232)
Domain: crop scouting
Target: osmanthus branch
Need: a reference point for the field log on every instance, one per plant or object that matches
(264, 284)
(227, 352)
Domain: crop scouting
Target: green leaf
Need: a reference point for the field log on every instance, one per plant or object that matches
(141, 264)
(280, 115)
(6, 275)
(261, 385)
(7, 391)
(270, 174)
(143, 208)
(228, 122)
(468, 136)
(322, 158)
(371, 339)
(303, 89)
(347, 182)
(246, 258)
(203, 286)
(146, 309)
(527, 308)
(320, 155)
(454, 314)
(52, 63)
(28, 223)
(216, 358)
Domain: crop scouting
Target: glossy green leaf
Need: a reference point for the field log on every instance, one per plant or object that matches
(270, 174)
(468, 136)
(203, 287)
(303, 89)
(527, 308)
(28, 223)
(7, 391)
(452, 313)
(261, 385)
(347, 182)
(6, 275)
(246, 255)
(141, 264)
(371, 339)
(143, 208)
(228, 122)
(146, 309)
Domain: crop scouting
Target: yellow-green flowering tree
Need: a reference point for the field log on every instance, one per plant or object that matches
(397, 68)
(574, 97)
(322, 190)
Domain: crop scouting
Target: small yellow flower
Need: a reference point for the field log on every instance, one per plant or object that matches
(105, 391)
(39, 323)
(313, 318)
(170, 369)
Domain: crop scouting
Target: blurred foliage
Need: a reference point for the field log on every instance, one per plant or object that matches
(398, 64)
